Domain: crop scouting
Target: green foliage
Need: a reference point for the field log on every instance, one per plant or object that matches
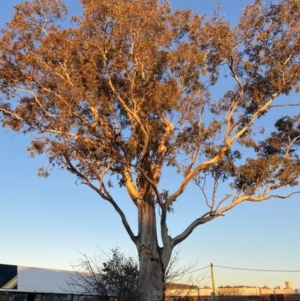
(120, 275)
(113, 275)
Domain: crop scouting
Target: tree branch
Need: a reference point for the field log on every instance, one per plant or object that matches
(199, 221)
(106, 196)
(193, 173)
(216, 213)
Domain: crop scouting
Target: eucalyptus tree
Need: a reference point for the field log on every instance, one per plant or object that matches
(125, 93)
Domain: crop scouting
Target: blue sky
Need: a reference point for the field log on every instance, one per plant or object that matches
(49, 222)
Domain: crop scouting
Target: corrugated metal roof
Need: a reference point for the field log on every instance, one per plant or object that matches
(43, 280)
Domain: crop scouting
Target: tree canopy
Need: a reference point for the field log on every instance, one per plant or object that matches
(125, 92)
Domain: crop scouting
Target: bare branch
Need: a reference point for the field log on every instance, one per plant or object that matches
(199, 221)
(285, 105)
(104, 195)
(259, 198)
(194, 172)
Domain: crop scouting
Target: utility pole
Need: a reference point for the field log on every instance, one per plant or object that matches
(275, 295)
(213, 281)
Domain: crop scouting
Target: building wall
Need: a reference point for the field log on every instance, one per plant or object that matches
(245, 293)
(43, 280)
(28, 279)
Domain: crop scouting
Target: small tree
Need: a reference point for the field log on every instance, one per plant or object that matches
(115, 275)
(126, 93)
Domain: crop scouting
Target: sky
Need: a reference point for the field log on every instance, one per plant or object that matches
(51, 222)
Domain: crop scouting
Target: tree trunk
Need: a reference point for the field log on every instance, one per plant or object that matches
(151, 273)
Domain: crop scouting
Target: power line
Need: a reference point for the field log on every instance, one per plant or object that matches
(261, 278)
(258, 270)
(195, 270)
(244, 269)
